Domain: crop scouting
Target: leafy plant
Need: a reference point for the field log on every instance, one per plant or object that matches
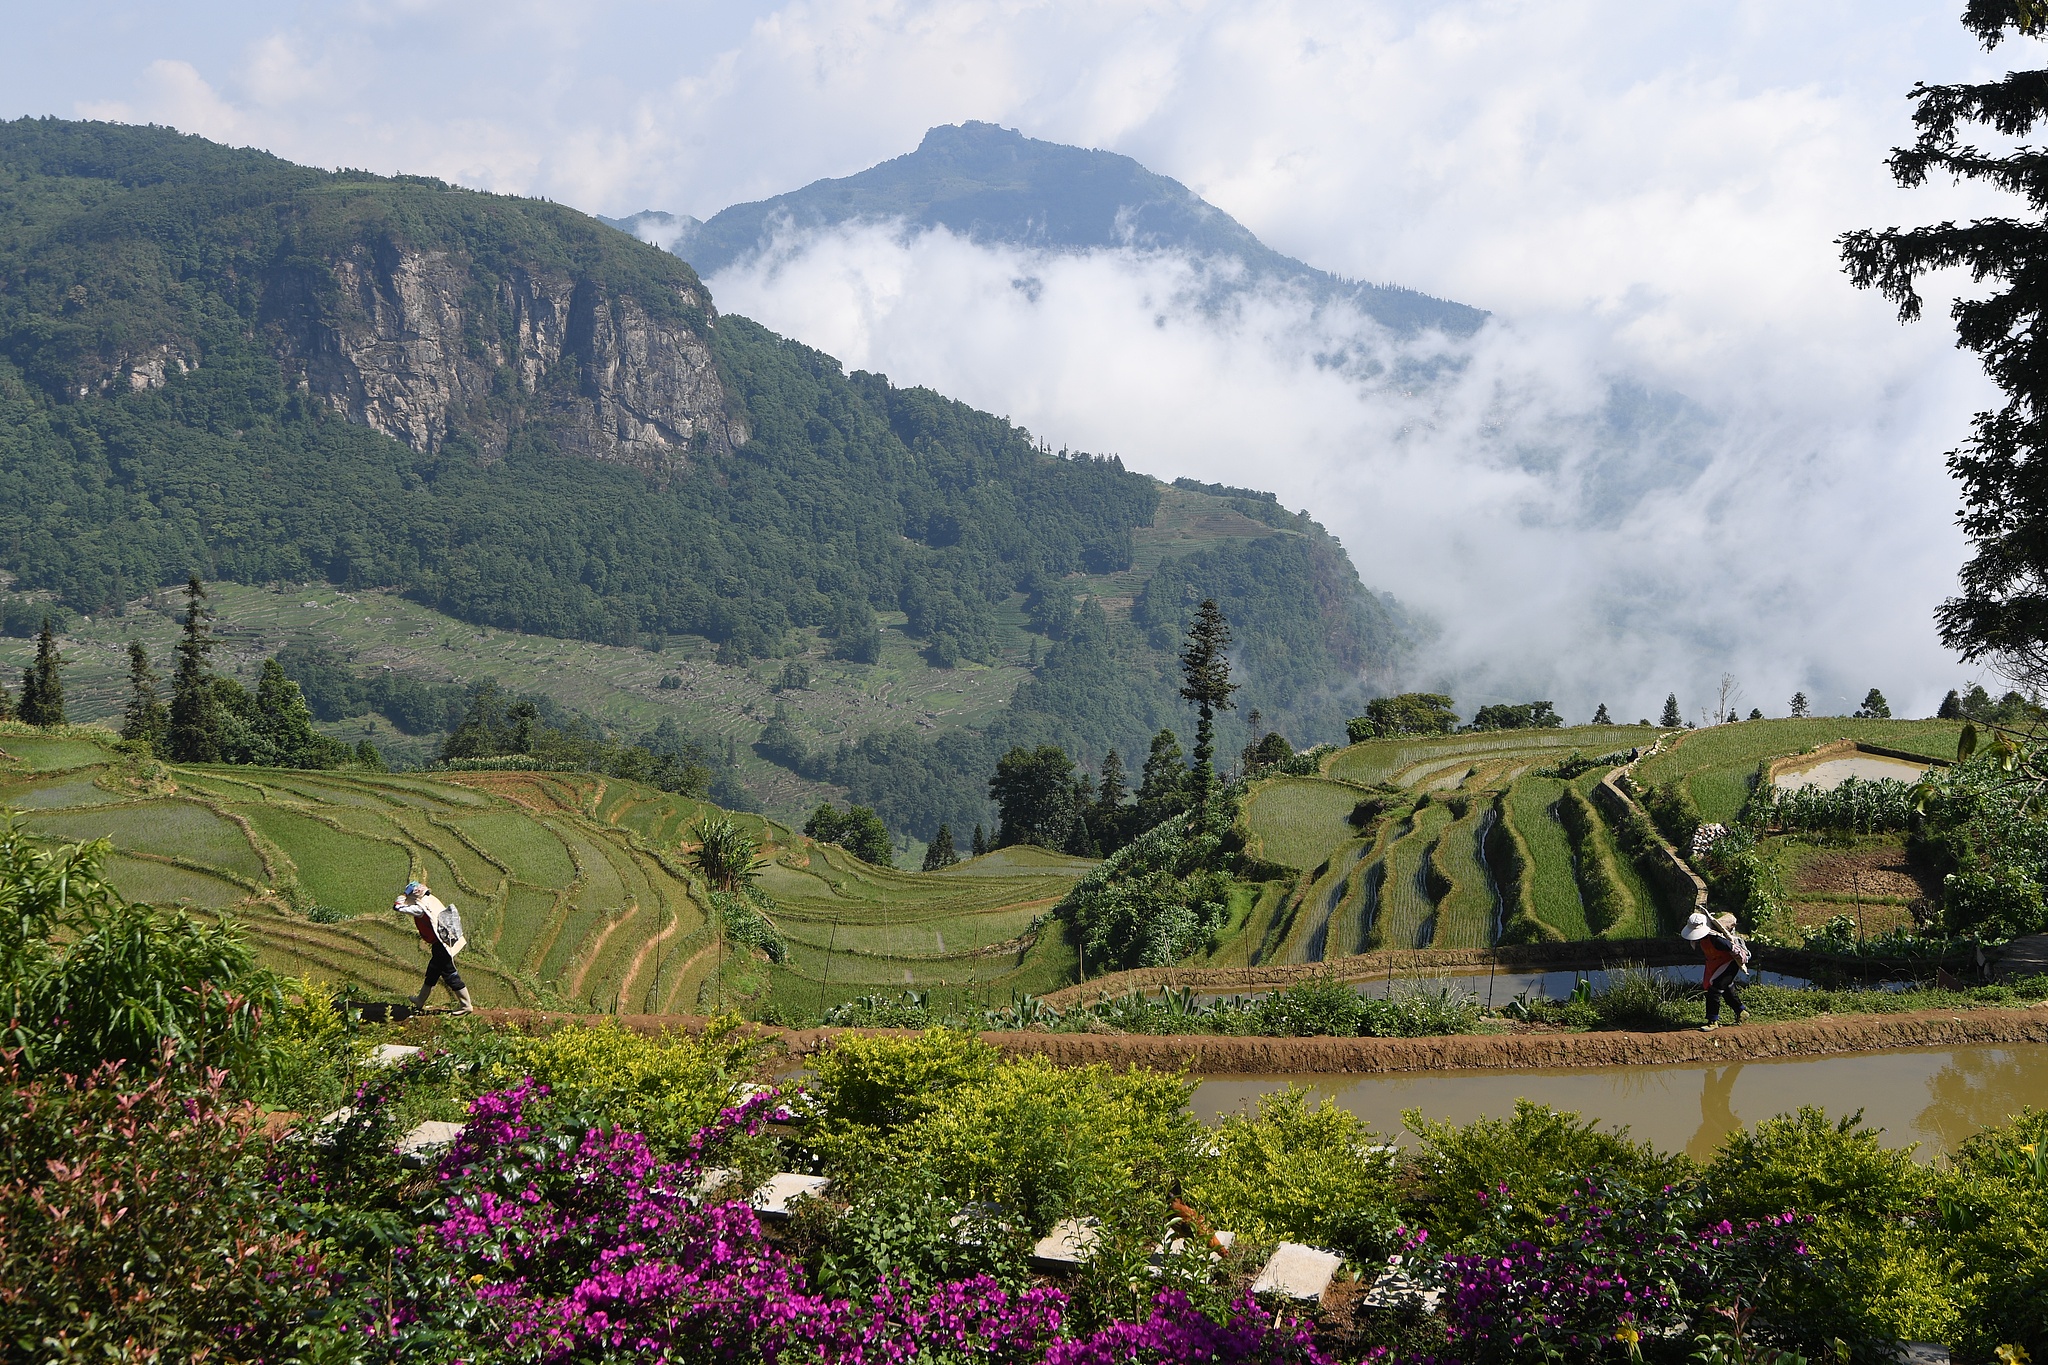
(1292, 1172)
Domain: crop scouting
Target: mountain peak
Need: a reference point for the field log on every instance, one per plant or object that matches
(995, 185)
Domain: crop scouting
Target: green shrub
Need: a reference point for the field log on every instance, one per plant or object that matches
(136, 1223)
(877, 1085)
(1991, 1204)
(1637, 997)
(1300, 1174)
(902, 1225)
(306, 1047)
(667, 1087)
(1158, 898)
(1860, 1195)
(1536, 1156)
(1671, 807)
(1046, 1142)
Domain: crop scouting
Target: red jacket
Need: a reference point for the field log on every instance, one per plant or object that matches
(1720, 961)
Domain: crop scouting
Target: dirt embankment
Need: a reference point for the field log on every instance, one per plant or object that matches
(1226, 1056)
(1579, 955)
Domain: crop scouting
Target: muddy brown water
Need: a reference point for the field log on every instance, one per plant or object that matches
(1933, 1097)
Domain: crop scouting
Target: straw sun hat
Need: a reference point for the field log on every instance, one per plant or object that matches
(1699, 926)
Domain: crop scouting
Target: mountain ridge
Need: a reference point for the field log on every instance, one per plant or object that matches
(993, 184)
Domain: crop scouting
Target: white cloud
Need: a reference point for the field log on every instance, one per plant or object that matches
(1642, 190)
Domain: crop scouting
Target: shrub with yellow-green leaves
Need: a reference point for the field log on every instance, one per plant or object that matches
(1990, 1210)
(1294, 1173)
(667, 1086)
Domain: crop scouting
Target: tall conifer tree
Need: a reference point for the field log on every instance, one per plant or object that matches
(1205, 681)
(1671, 719)
(42, 689)
(195, 704)
(146, 718)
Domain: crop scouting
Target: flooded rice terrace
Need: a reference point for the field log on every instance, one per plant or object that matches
(1935, 1097)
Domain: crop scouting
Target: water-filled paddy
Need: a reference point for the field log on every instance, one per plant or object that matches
(1828, 775)
(1935, 1097)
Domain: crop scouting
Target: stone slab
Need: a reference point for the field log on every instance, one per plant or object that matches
(773, 1199)
(428, 1137)
(1922, 1353)
(1297, 1272)
(712, 1182)
(2022, 957)
(391, 1054)
(1071, 1244)
(1397, 1289)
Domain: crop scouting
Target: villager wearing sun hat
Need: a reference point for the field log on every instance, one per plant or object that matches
(440, 928)
(1727, 956)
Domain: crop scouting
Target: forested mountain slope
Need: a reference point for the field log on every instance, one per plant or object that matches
(996, 185)
(216, 361)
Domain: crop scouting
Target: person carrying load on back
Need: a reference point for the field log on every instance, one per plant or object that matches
(1727, 954)
(440, 928)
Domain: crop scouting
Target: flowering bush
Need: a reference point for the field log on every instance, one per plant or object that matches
(579, 1245)
(1177, 1334)
(1614, 1267)
(134, 1223)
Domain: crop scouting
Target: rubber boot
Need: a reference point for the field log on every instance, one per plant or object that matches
(463, 996)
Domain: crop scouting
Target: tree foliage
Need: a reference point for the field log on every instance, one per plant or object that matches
(1409, 713)
(2001, 614)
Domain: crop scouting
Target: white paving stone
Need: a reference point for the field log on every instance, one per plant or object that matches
(712, 1182)
(1071, 1244)
(1923, 1353)
(1297, 1271)
(391, 1054)
(430, 1136)
(773, 1199)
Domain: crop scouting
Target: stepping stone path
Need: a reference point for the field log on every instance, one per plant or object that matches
(1298, 1272)
(429, 1137)
(1922, 1353)
(1071, 1244)
(773, 1199)
(391, 1054)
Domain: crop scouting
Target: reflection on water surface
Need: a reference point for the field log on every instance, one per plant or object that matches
(1935, 1097)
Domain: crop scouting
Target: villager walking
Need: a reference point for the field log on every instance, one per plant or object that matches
(1727, 955)
(440, 928)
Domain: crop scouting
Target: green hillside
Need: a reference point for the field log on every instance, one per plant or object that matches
(1467, 841)
(503, 410)
(576, 891)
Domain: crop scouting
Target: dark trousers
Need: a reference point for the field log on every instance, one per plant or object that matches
(441, 967)
(1723, 988)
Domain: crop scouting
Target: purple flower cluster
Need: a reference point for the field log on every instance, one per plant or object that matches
(1606, 1265)
(1178, 1333)
(582, 1244)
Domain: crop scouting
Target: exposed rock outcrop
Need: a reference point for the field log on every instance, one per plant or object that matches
(422, 346)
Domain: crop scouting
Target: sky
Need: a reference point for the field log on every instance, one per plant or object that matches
(1644, 197)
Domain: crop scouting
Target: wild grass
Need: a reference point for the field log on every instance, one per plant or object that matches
(1382, 760)
(1734, 751)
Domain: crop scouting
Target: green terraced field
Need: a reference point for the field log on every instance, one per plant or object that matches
(575, 889)
(1389, 895)
(1291, 818)
(1554, 888)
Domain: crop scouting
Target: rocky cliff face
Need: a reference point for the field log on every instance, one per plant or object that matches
(421, 345)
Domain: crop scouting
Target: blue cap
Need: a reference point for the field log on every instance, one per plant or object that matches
(413, 887)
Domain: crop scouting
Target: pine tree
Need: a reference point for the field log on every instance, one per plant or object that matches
(195, 705)
(146, 718)
(1600, 716)
(1163, 786)
(1951, 706)
(2002, 612)
(1110, 791)
(1799, 705)
(1205, 681)
(1756, 713)
(980, 844)
(1874, 707)
(42, 689)
(939, 853)
(368, 759)
(285, 722)
(1671, 720)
